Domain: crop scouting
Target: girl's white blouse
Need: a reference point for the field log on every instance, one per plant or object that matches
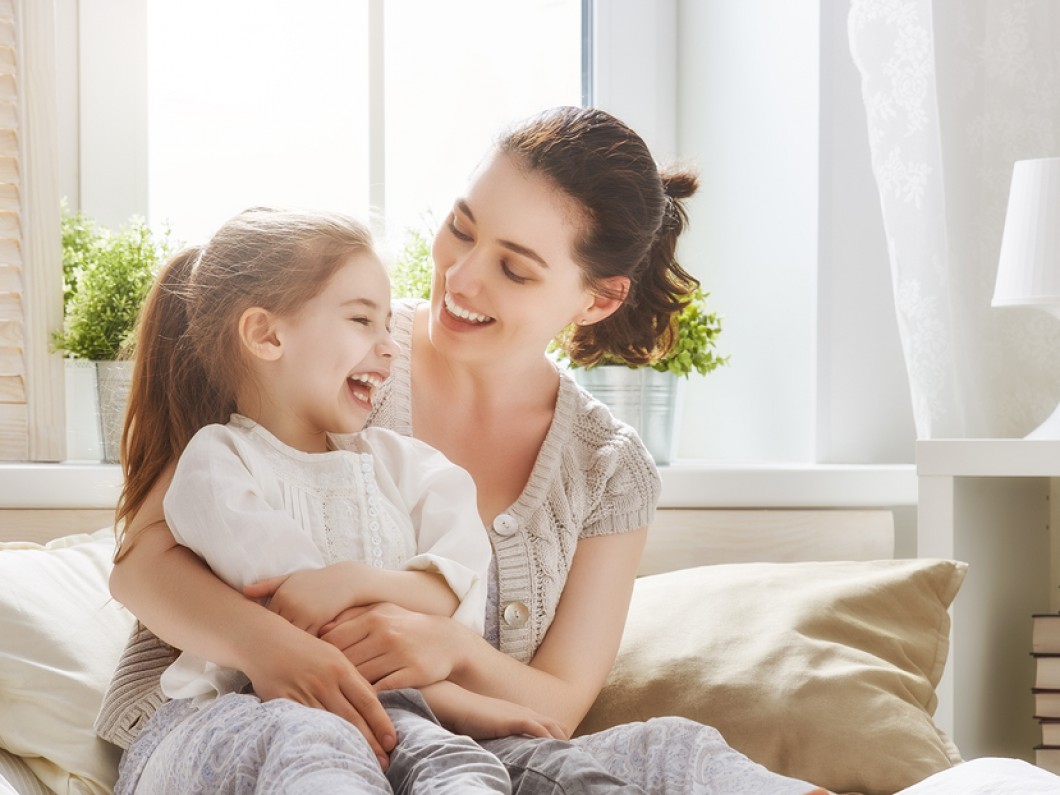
(254, 508)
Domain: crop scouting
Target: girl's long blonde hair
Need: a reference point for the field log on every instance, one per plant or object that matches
(188, 356)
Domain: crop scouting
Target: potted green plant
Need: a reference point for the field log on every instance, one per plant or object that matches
(648, 396)
(106, 278)
(413, 268)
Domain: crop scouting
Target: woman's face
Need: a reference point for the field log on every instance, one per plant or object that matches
(505, 282)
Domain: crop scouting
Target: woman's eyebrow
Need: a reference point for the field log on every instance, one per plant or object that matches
(462, 206)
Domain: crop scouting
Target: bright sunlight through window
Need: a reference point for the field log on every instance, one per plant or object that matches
(273, 102)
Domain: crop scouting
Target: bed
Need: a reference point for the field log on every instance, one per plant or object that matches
(795, 633)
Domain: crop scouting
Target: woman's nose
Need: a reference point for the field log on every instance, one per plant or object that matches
(464, 276)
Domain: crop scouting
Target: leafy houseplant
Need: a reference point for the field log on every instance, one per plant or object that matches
(411, 275)
(647, 396)
(106, 277)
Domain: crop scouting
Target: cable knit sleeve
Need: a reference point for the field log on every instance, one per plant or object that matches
(621, 481)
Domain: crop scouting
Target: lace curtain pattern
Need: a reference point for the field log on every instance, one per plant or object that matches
(955, 92)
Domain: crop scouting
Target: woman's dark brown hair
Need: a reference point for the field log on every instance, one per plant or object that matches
(632, 217)
(188, 357)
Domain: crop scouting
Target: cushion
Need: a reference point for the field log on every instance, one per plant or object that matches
(16, 778)
(821, 671)
(62, 635)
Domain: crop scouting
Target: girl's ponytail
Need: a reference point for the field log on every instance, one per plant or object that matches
(170, 397)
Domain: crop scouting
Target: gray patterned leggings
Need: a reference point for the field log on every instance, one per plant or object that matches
(240, 745)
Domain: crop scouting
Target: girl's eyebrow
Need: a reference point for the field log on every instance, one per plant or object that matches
(368, 302)
(462, 206)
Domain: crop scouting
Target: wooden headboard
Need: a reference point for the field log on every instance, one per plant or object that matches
(679, 538)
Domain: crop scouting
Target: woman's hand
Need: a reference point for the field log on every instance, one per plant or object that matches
(299, 667)
(394, 648)
(484, 718)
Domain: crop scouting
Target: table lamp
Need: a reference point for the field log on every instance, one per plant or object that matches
(1028, 272)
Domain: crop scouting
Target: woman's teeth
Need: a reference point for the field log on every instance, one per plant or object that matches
(464, 314)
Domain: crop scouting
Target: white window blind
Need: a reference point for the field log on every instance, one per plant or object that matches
(31, 386)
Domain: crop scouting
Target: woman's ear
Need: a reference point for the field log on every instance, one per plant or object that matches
(257, 332)
(609, 296)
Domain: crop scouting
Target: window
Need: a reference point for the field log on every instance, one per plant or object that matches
(366, 107)
(389, 103)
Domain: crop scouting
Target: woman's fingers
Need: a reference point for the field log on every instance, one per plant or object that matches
(368, 715)
(309, 672)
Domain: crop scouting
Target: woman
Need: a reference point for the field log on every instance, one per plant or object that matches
(568, 222)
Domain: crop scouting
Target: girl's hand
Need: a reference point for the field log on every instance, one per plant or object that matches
(308, 598)
(394, 648)
(484, 718)
(299, 667)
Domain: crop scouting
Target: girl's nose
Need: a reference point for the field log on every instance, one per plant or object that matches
(387, 347)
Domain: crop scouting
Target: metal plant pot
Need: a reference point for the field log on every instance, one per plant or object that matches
(643, 398)
(82, 411)
(113, 380)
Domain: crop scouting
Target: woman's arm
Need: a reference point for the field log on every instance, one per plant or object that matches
(394, 648)
(483, 717)
(174, 594)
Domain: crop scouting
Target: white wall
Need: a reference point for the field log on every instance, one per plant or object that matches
(786, 236)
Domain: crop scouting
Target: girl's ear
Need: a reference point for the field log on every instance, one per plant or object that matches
(258, 334)
(606, 300)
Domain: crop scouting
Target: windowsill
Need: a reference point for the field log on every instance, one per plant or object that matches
(686, 484)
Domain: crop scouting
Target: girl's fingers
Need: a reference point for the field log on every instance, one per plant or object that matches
(263, 589)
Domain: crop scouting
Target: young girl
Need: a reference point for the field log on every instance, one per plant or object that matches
(281, 324)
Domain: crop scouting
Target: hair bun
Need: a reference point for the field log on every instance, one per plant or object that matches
(679, 183)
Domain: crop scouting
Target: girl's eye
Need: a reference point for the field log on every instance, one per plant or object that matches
(515, 277)
(364, 321)
(456, 232)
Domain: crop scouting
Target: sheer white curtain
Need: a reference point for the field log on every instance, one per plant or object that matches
(955, 92)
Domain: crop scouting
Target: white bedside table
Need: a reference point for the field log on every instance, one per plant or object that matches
(986, 502)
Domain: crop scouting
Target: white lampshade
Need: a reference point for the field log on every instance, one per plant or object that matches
(1028, 272)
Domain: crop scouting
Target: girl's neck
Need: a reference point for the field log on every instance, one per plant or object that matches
(283, 425)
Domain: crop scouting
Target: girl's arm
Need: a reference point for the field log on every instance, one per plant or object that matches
(394, 648)
(174, 594)
(309, 598)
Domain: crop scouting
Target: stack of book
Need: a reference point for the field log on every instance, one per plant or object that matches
(1045, 648)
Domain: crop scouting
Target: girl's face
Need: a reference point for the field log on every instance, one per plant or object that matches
(505, 282)
(336, 351)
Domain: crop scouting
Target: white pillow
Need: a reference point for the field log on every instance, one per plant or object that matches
(16, 778)
(62, 636)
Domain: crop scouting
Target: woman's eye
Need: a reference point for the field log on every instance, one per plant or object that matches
(457, 233)
(515, 277)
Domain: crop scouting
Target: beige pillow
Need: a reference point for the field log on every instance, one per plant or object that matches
(821, 671)
(61, 637)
